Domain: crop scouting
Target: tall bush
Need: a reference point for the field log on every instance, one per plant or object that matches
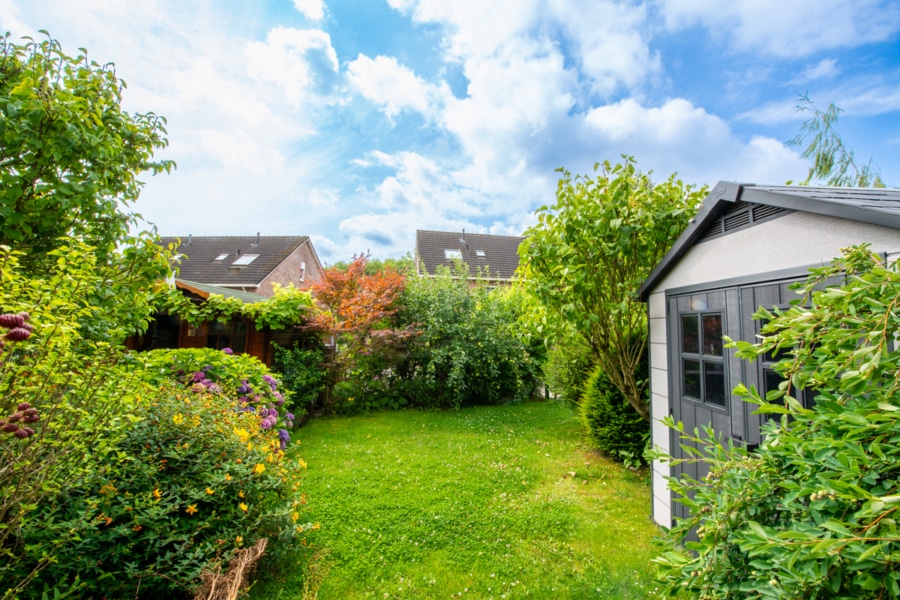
(612, 425)
(469, 349)
(811, 513)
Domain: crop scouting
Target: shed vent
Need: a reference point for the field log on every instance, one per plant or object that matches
(737, 220)
(761, 211)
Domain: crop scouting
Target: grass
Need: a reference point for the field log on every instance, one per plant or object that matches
(488, 502)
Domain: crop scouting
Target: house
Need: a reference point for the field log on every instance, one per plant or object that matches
(744, 248)
(495, 255)
(248, 263)
(240, 334)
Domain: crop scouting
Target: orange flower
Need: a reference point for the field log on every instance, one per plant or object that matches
(191, 509)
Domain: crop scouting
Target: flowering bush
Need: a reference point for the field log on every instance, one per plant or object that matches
(194, 480)
(238, 376)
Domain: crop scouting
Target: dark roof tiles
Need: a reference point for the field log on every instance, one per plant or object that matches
(199, 263)
(498, 253)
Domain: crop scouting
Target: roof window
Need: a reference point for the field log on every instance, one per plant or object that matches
(246, 259)
(451, 254)
(222, 256)
(480, 253)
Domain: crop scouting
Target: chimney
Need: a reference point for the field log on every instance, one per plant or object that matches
(189, 240)
(257, 238)
(239, 252)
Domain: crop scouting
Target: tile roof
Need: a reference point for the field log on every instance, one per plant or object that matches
(199, 263)
(499, 253)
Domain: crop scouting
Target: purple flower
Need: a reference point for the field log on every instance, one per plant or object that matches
(198, 376)
(215, 388)
(278, 398)
(244, 399)
(227, 350)
(206, 368)
(271, 381)
(284, 437)
(244, 389)
(268, 423)
(289, 416)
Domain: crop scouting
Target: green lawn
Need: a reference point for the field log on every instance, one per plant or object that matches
(489, 502)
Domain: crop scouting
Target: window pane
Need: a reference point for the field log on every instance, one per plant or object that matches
(690, 336)
(714, 378)
(239, 337)
(690, 376)
(712, 335)
(771, 381)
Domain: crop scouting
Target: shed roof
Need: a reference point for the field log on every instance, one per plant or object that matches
(877, 206)
(205, 291)
(498, 253)
(211, 259)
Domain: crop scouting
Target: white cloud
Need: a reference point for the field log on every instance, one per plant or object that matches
(296, 60)
(794, 28)
(824, 69)
(313, 10)
(393, 86)
(680, 137)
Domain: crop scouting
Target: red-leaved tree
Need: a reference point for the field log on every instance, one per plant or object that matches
(356, 316)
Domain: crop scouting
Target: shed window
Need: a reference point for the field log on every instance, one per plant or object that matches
(231, 334)
(702, 358)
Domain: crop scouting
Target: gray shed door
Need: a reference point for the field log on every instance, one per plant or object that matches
(703, 372)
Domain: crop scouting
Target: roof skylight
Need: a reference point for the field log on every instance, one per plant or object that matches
(246, 259)
(480, 253)
(222, 256)
(451, 254)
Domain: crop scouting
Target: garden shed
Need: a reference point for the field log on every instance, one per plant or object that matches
(746, 245)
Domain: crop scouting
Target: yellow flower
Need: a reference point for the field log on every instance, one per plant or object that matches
(210, 491)
(227, 477)
(238, 540)
(242, 434)
(259, 468)
(295, 516)
(191, 509)
(157, 494)
(241, 494)
(178, 419)
(301, 463)
(242, 506)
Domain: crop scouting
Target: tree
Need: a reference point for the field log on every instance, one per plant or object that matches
(812, 512)
(353, 306)
(591, 251)
(833, 163)
(70, 155)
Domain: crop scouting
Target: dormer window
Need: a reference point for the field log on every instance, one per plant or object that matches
(244, 260)
(222, 256)
(451, 254)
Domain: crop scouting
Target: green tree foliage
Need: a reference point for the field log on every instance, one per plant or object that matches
(591, 251)
(813, 512)
(833, 163)
(70, 155)
(403, 265)
(471, 347)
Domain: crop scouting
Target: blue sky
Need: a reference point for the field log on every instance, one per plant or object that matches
(359, 121)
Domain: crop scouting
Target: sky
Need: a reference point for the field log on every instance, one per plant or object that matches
(357, 122)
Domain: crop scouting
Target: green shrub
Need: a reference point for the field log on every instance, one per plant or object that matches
(612, 425)
(68, 372)
(812, 513)
(468, 350)
(303, 374)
